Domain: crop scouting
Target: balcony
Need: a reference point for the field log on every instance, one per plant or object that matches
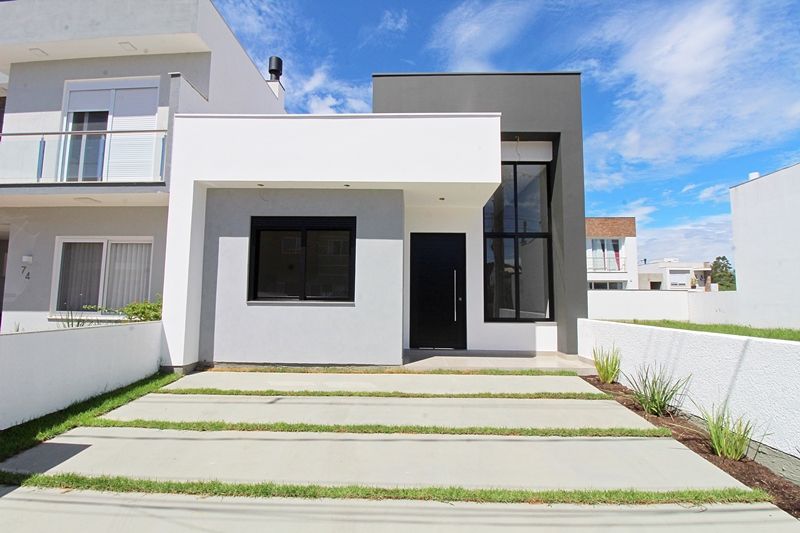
(96, 156)
(605, 264)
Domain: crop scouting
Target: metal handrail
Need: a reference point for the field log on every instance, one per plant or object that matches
(89, 132)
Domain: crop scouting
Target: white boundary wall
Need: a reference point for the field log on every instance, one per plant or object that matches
(46, 371)
(758, 378)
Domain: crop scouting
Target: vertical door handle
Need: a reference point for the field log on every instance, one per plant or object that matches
(455, 297)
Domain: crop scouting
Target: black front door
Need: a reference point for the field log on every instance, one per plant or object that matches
(438, 314)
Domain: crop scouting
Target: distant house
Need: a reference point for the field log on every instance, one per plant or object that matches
(611, 253)
(672, 274)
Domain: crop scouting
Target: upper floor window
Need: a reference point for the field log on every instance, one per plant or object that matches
(517, 246)
(606, 255)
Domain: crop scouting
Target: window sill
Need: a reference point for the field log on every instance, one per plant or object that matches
(300, 303)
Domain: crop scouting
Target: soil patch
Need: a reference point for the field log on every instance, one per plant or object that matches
(755, 475)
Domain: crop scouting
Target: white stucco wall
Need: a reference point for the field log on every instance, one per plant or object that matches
(642, 305)
(33, 232)
(481, 335)
(47, 371)
(366, 331)
(766, 252)
(757, 378)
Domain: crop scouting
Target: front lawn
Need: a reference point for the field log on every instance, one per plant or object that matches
(729, 329)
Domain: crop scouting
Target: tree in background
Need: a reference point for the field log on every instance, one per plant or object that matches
(722, 274)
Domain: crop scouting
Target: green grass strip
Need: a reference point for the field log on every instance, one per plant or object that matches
(28, 434)
(395, 394)
(394, 370)
(783, 334)
(287, 427)
(442, 494)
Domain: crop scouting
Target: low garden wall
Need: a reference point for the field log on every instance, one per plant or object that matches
(758, 378)
(45, 371)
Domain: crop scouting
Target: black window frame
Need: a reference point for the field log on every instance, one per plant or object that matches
(516, 236)
(303, 225)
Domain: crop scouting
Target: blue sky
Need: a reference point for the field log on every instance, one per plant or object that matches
(680, 99)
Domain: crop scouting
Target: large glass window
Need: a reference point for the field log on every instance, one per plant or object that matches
(517, 255)
(302, 258)
(102, 274)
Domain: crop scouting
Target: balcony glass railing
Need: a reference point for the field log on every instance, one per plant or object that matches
(82, 156)
(605, 264)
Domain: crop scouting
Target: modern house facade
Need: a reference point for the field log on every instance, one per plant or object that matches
(672, 274)
(612, 259)
(450, 218)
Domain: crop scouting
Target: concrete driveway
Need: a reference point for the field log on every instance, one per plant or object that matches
(377, 460)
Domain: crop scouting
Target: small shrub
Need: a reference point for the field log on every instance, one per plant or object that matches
(71, 319)
(607, 363)
(730, 438)
(145, 311)
(656, 390)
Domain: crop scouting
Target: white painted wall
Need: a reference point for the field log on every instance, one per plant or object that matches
(642, 305)
(366, 331)
(480, 335)
(767, 256)
(756, 377)
(47, 371)
(33, 232)
(725, 307)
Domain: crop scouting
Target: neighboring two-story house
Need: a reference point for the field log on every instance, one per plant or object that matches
(611, 254)
(144, 155)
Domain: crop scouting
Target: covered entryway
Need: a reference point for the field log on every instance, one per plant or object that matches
(438, 313)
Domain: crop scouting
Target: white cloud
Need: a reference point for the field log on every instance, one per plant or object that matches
(714, 193)
(698, 81)
(471, 33)
(702, 239)
(392, 25)
(276, 27)
(688, 188)
(640, 208)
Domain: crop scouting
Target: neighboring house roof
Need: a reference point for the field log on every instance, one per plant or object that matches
(610, 227)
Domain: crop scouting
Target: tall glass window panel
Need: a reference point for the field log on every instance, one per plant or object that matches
(127, 274)
(280, 271)
(499, 214)
(79, 283)
(534, 279)
(500, 289)
(531, 198)
(327, 264)
(86, 152)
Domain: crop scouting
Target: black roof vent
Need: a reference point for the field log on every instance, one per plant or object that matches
(275, 68)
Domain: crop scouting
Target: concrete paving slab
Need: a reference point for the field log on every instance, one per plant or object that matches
(445, 412)
(427, 360)
(413, 383)
(376, 460)
(27, 510)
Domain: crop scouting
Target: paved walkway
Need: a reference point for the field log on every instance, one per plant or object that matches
(412, 383)
(386, 460)
(425, 359)
(377, 460)
(445, 412)
(30, 510)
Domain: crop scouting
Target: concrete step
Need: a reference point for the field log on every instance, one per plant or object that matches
(377, 460)
(411, 383)
(26, 510)
(445, 412)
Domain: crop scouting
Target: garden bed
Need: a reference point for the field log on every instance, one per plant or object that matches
(786, 494)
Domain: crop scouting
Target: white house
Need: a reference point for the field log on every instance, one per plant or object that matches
(143, 154)
(611, 255)
(765, 230)
(674, 275)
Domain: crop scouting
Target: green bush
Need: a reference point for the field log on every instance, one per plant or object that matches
(607, 363)
(656, 390)
(145, 311)
(730, 438)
